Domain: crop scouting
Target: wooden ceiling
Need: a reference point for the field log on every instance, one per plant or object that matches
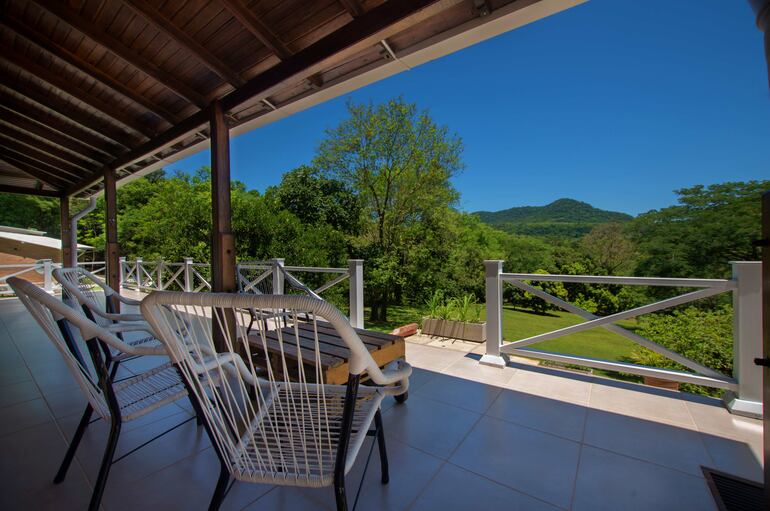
(94, 84)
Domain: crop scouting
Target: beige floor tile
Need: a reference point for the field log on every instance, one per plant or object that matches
(430, 358)
(551, 416)
(469, 368)
(428, 425)
(538, 464)
(455, 489)
(453, 344)
(18, 393)
(609, 481)
(711, 416)
(23, 415)
(642, 402)
(735, 456)
(556, 385)
(466, 394)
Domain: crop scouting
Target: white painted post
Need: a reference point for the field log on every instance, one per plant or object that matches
(47, 281)
(159, 269)
(188, 262)
(139, 274)
(747, 339)
(492, 271)
(122, 264)
(356, 294)
(278, 276)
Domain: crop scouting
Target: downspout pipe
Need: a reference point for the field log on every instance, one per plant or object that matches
(762, 11)
(74, 230)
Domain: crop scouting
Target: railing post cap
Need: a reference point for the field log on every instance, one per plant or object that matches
(355, 261)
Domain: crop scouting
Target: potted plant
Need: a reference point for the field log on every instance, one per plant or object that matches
(456, 318)
(645, 357)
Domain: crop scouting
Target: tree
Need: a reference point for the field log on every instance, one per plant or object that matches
(608, 248)
(400, 162)
(30, 212)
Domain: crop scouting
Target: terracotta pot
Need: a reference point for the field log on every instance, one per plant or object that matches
(663, 384)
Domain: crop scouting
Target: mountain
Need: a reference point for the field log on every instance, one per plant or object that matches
(563, 217)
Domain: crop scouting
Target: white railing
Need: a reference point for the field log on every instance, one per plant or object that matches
(744, 386)
(44, 268)
(261, 277)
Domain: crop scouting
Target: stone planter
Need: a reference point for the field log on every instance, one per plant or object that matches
(663, 384)
(476, 332)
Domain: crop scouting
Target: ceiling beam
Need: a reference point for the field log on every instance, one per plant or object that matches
(54, 168)
(58, 82)
(29, 191)
(257, 27)
(91, 70)
(35, 169)
(32, 147)
(353, 7)
(115, 135)
(370, 28)
(31, 110)
(72, 148)
(193, 47)
(125, 52)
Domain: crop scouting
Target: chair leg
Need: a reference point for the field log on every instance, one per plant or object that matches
(221, 489)
(104, 470)
(383, 450)
(339, 493)
(73, 447)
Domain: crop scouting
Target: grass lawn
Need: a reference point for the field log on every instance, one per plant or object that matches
(520, 324)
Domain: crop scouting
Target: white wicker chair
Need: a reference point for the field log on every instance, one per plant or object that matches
(117, 402)
(267, 427)
(98, 302)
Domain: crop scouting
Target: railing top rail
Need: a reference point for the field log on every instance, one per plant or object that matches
(314, 269)
(631, 281)
(21, 265)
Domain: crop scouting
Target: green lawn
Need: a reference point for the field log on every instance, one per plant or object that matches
(519, 324)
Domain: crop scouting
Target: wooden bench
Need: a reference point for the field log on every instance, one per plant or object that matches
(334, 354)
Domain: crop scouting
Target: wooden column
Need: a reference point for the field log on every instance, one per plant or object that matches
(111, 250)
(222, 243)
(66, 237)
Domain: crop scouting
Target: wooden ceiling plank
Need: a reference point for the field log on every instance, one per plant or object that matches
(35, 169)
(353, 7)
(257, 27)
(91, 70)
(21, 123)
(65, 109)
(71, 89)
(199, 51)
(30, 191)
(125, 52)
(32, 147)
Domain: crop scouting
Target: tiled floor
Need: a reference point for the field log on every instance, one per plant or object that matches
(469, 437)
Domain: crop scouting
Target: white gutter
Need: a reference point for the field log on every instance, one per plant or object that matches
(73, 262)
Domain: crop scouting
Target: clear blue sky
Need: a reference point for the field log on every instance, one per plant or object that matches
(614, 102)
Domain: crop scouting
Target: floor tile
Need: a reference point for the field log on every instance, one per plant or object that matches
(428, 425)
(608, 481)
(538, 464)
(560, 386)
(469, 368)
(23, 415)
(556, 417)
(466, 394)
(455, 489)
(642, 402)
(735, 456)
(18, 393)
(433, 359)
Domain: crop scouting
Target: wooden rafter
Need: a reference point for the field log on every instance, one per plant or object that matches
(29, 191)
(36, 170)
(46, 75)
(193, 47)
(115, 136)
(31, 147)
(86, 67)
(24, 124)
(353, 7)
(257, 27)
(125, 52)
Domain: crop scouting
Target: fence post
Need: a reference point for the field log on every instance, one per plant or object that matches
(159, 279)
(747, 339)
(47, 281)
(122, 264)
(356, 273)
(278, 276)
(188, 262)
(139, 274)
(492, 271)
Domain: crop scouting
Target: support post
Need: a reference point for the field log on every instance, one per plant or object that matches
(66, 237)
(111, 255)
(138, 273)
(278, 281)
(159, 279)
(122, 262)
(494, 295)
(765, 243)
(47, 274)
(356, 272)
(747, 339)
(188, 281)
(223, 243)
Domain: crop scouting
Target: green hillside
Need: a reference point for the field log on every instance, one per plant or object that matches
(563, 217)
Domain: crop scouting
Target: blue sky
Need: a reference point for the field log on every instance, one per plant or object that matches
(614, 102)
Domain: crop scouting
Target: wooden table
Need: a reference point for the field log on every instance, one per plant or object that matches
(334, 355)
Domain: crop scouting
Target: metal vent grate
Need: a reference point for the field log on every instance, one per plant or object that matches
(733, 493)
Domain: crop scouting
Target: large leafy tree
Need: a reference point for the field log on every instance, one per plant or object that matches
(400, 163)
(30, 212)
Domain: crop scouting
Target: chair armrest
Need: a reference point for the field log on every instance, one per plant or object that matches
(125, 317)
(127, 301)
(394, 377)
